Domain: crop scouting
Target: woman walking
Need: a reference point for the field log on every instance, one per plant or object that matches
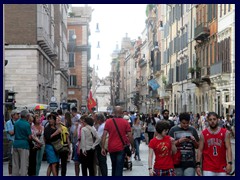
(89, 140)
(150, 127)
(51, 134)
(136, 129)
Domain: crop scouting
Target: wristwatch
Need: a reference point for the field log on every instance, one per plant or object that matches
(230, 162)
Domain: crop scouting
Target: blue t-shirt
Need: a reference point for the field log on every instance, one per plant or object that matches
(10, 127)
(22, 131)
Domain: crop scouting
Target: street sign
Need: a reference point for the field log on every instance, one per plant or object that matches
(53, 105)
(64, 105)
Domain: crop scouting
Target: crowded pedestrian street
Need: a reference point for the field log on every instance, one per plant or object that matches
(140, 168)
(119, 90)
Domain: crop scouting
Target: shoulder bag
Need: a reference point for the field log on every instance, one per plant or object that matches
(57, 145)
(125, 146)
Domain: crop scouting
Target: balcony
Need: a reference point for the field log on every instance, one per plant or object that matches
(205, 74)
(201, 32)
(196, 79)
(217, 74)
(46, 43)
(168, 87)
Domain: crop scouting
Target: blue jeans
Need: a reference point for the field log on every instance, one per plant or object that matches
(190, 171)
(39, 157)
(117, 159)
(137, 144)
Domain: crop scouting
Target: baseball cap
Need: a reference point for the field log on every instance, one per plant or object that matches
(15, 111)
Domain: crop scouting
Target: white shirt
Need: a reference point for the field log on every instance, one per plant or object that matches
(101, 129)
(86, 142)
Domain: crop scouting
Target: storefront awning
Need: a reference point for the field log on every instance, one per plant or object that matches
(227, 104)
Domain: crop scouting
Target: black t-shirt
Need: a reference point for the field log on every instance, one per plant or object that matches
(48, 131)
(187, 149)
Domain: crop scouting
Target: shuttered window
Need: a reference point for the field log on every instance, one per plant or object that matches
(72, 82)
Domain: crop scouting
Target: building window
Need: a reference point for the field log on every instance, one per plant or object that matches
(71, 59)
(227, 98)
(40, 64)
(71, 34)
(72, 82)
(225, 8)
(220, 10)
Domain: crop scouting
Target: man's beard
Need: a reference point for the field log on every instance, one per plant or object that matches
(213, 127)
(165, 117)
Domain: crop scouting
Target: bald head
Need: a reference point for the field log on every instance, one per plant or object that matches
(118, 111)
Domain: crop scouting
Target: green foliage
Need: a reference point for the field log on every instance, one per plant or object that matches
(71, 14)
(164, 80)
(149, 8)
(198, 69)
(191, 70)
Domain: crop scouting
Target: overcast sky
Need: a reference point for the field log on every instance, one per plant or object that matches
(115, 20)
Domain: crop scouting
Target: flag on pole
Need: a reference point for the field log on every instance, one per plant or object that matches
(90, 101)
(154, 84)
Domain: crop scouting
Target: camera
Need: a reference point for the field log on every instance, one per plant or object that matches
(189, 137)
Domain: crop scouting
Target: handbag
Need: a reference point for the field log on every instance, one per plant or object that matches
(177, 158)
(65, 148)
(57, 145)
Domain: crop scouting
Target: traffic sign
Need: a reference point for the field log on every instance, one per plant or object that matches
(53, 105)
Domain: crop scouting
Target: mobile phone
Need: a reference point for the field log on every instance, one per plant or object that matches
(189, 137)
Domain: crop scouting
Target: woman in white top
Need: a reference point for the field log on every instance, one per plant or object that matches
(137, 129)
(89, 140)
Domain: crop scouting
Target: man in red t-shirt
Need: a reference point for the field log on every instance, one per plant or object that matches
(214, 149)
(115, 144)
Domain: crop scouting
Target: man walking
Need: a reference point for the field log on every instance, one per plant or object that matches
(10, 137)
(165, 116)
(119, 135)
(20, 156)
(214, 149)
(102, 160)
(186, 140)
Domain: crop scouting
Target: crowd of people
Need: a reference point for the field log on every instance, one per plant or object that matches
(87, 138)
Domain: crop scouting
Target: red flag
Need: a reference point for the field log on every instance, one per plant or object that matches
(91, 102)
